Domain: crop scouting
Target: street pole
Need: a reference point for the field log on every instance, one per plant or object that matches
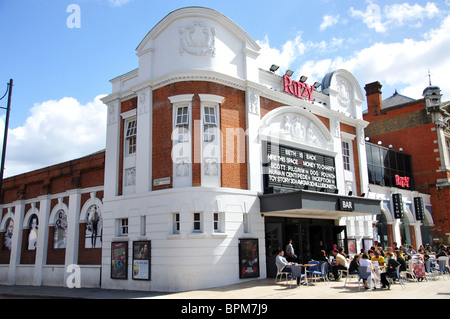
(5, 137)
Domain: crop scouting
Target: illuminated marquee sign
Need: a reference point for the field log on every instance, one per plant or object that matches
(292, 169)
(297, 88)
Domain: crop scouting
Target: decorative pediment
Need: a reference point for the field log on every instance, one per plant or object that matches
(296, 126)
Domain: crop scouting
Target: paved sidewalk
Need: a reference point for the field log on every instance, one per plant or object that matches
(255, 289)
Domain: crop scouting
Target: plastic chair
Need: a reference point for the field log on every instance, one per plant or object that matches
(296, 274)
(442, 268)
(281, 274)
(322, 271)
(350, 275)
(429, 270)
(364, 273)
(400, 279)
(410, 271)
(313, 270)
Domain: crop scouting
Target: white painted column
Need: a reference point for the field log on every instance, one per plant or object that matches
(42, 243)
(254, 156)
(73, 217)
(112, 149)
(362, 161)
(16, 247)
(417, 233)
(396, 232)
(144, 142)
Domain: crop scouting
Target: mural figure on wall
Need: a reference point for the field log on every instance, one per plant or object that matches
(8, 234)
(60, 238)
(93, 227)
(33, 233)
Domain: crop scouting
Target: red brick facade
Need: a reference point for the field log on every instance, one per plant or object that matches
(76, 174)
(410, 127)
(232, 115)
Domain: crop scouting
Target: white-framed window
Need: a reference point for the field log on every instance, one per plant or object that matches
(182, 124)
(197, 223)
(182, 116)
(346, 155)
(218, 222)
(130, 136)
(176, 223)
(211, 143)
(123, 227)
(181, 140)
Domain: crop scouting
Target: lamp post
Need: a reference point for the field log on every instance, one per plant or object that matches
(5, 136)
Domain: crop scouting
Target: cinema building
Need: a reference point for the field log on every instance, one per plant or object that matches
(211, 165)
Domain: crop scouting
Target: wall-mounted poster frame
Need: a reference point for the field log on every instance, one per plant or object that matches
(248, 258)
(141, 260)
(119, 260)
(351, 245)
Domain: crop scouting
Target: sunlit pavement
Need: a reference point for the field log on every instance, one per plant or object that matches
(252, 289)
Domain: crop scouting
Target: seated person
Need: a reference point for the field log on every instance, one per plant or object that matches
(354, 264)
(378, 258)
(391, 270)
(283, 264)
(340, 263)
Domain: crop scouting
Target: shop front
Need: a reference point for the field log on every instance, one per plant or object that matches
(312, 220)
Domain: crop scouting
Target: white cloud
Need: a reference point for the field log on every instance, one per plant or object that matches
(56, 131)
(118, 3)
(290, 51)
(395, 15)
(402, 64)
(371, 17)
(328, 21)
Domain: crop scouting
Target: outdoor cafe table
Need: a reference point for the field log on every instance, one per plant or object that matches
(297, 270)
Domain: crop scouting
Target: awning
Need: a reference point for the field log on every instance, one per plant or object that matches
(309, 204)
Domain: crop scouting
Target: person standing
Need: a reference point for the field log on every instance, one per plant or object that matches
(290, 254)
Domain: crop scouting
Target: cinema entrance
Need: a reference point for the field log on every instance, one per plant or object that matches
(311, 220)
(309, 237)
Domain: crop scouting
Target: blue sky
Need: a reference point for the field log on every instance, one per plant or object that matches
(60, 72)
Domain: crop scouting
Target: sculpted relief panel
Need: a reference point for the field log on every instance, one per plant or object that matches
(197, 39)
(297, 128)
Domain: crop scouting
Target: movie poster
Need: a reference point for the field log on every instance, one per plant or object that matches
(119, 257)
(141, 260)
(248, 258)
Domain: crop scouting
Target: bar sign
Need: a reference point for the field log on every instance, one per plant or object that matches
(398, 205)
(418, 207)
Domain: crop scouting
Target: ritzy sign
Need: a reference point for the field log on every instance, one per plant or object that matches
(297, 88)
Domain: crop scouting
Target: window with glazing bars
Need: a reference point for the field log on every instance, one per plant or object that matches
(131, 136)
(346, 155)
(210, 123)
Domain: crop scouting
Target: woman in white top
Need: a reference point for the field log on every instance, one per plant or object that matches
(366, 262)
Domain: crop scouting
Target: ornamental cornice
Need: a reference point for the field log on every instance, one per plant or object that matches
(240, 84)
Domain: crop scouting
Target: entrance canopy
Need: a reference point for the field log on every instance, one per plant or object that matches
(308, 204)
